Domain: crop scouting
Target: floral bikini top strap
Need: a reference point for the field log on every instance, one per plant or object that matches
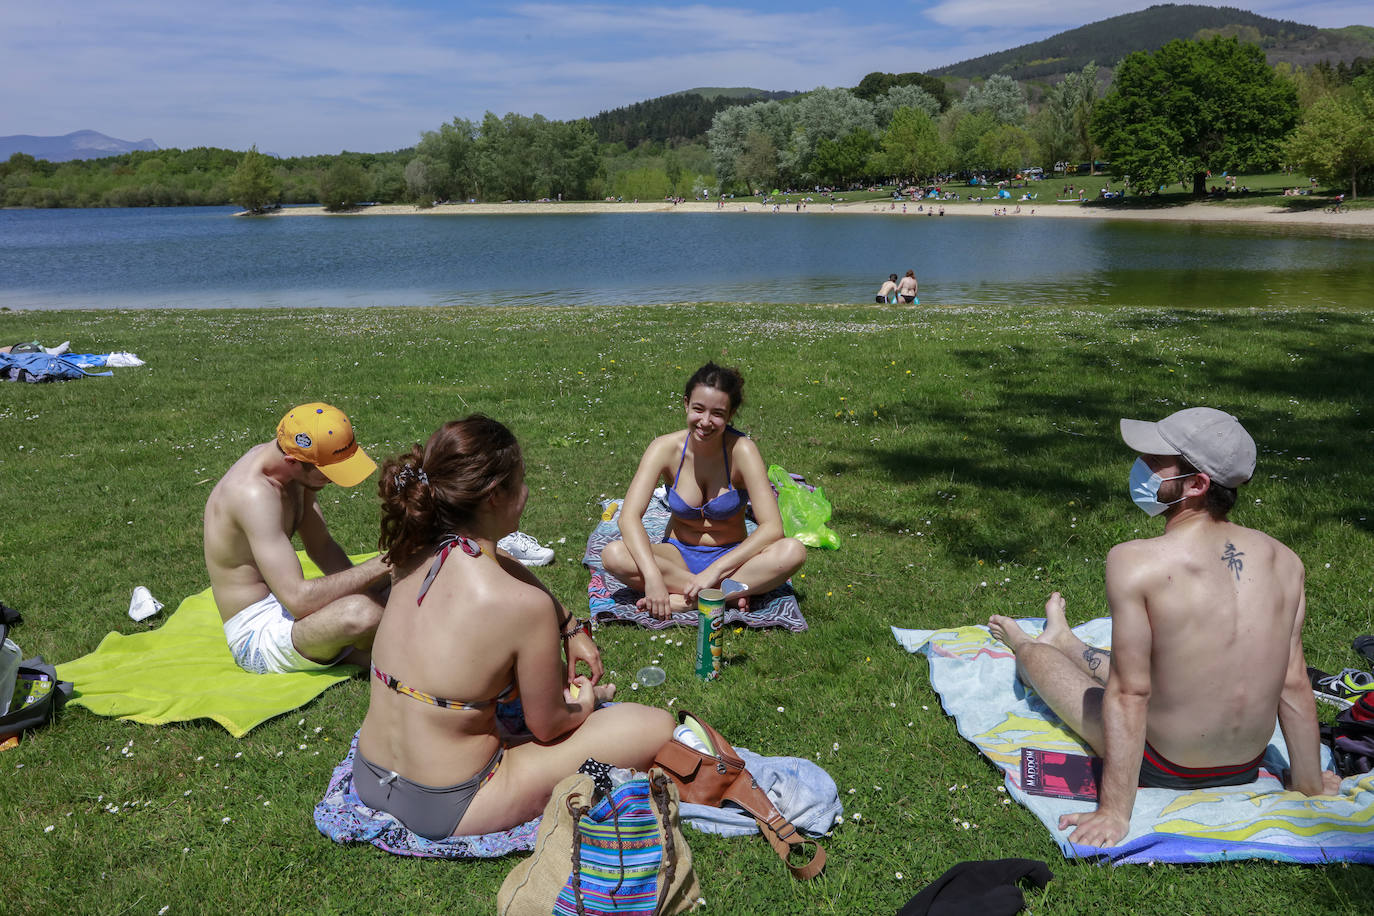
(466, 544)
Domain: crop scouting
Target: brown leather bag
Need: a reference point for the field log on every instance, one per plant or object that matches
(704, 779)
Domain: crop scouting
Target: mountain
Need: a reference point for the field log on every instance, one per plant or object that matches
(1108, 41)
(81, 144)
(675, 118)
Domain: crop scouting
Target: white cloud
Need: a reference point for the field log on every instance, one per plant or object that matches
(321, 75)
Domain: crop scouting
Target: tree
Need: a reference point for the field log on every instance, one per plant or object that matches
(730, 143)
(911, 146)
(451, 161)
(1062, 126)
(904, 97)
(1335, 141)
(758, 161)
(253, 186)
(343, 185)
(877, 84)
(961, 129)
(1194, 106)
(1005, 147)
(823, 114)
(999, 96)
(838, 162)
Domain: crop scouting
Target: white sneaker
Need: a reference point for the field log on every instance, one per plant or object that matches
(526, 549)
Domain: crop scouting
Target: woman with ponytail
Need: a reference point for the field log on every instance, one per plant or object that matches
(465, 629)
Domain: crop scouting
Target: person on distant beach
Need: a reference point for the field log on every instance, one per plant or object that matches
(274, 618)
(906, 289)
(466, 629)
(1190, 609)
(887, 293)
(712, 471)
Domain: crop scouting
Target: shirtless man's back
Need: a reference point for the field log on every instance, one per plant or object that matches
(1206, 636)
(274, 618)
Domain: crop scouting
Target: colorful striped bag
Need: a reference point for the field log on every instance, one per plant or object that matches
(621, 854)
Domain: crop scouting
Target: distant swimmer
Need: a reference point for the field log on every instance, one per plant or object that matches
(887, 293)
(906, 289)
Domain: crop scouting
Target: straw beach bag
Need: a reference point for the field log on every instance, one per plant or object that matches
(621, 853)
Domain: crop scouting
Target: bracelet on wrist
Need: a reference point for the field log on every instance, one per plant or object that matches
(578, 626)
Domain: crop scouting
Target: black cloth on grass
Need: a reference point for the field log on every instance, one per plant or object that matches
(986, 888)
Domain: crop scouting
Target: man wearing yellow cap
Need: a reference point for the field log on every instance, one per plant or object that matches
(274, 618)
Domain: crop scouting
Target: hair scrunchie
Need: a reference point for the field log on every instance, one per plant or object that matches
(405, 475)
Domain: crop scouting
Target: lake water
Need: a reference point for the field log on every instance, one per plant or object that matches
(206, 257)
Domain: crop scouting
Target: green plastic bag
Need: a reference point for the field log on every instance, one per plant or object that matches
(804, 512)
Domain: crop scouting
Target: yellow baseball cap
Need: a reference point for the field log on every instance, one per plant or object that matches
(321, 435)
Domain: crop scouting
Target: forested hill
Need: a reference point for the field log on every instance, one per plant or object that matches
(682, 116)
(1108, 41)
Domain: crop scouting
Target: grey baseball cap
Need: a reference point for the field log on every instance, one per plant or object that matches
(1210, 440)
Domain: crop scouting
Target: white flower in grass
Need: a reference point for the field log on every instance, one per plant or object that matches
(857, 816)
(163, 910)
(301, 747)
(964, 824)
(782, 709)
(225, 820)
(898, 876)
(50, 828)
(835, 746)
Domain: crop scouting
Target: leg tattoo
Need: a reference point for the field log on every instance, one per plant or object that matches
(1094, 659)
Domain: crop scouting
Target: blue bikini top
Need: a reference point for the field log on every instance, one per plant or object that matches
(726, 505)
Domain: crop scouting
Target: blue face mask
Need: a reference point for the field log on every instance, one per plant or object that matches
(1144, 488)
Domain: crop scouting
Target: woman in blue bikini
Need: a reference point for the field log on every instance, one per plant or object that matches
(710, 470)
(465, 629)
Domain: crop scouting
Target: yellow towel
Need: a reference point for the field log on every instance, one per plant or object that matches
(183, 671)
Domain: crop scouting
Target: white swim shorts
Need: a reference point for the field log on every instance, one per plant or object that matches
(259, 637)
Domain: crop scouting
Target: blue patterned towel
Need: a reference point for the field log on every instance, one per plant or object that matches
(343, 818)
(975, 676)
(613, 600)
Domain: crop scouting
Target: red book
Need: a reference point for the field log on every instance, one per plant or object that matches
(1059, 775)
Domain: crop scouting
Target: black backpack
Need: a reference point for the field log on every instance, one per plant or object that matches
(1352, 737)
(38, 694)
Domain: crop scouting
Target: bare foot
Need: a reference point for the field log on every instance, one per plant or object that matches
(1009, 631)
(1057, 631)
(678, 603)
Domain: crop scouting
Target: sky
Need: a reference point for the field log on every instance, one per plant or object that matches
(320, 76)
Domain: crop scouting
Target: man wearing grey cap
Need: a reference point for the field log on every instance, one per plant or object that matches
(1206, 636)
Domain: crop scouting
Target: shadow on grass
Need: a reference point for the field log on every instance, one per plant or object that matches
(1036, 441)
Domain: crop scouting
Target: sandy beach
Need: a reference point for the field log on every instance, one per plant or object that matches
(1191, 212)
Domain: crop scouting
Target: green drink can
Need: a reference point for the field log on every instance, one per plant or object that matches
(710, 624)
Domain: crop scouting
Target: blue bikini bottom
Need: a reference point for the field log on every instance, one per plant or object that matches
(699, 556)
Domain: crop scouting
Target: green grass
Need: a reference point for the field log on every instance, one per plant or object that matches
(959, 447)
